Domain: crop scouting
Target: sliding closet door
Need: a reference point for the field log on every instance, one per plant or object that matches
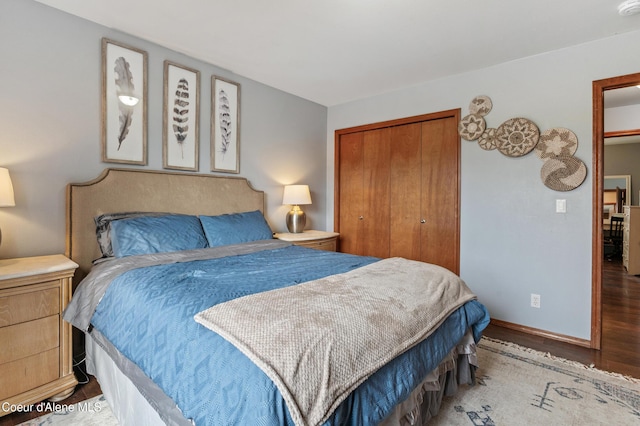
(351, 192)
(406, 165)
(375, 215)
(440, 234)
(397, 189)
(364, 193)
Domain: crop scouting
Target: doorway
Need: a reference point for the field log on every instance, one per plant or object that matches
(599, 89)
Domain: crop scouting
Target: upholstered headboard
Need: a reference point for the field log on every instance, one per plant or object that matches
(128, 190)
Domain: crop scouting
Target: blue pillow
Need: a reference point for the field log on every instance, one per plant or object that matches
(235, 228)
(103, 227)
(149, 234)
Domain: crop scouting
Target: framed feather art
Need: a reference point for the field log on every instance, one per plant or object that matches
(225, 125)
(180, 120)
(124, 104)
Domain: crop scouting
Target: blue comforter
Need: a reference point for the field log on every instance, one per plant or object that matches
(147, 313)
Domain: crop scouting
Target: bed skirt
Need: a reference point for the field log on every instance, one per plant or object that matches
(135, 399)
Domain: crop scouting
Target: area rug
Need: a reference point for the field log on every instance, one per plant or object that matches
(515, 386)
(520, 386)
(92, 412)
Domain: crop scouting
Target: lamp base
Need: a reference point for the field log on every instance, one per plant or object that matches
(296, 219)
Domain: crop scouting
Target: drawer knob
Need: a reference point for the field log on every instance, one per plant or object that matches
(423, 221)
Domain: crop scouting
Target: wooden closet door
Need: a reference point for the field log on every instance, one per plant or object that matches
(440, 205)
(377, 188)
(351, 192)
(406, 165)
(394, 174)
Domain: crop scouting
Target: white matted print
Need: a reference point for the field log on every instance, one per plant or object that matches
(180, 120)
(225, 125)
(124, 104)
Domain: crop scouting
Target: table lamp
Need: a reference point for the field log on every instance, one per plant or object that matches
(295, 195)
(6, 192)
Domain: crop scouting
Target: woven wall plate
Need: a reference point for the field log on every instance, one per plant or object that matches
(480, 105)
(563, 173)
(471, 127)
(556, 142)
(487, 140)
(517, 137)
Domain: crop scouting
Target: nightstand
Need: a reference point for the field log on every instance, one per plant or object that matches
(36, 359)
(320, 240)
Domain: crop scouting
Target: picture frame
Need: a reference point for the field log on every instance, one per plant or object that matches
(181, 117)
(225, 125)
(124, 125)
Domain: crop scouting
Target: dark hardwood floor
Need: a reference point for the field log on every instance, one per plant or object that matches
(620, 337)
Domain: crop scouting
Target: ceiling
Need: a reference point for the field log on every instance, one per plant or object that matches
(622, 97)
(336, 51)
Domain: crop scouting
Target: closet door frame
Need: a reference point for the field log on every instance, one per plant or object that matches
(454, 113)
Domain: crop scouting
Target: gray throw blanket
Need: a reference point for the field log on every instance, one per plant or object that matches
(319, 340)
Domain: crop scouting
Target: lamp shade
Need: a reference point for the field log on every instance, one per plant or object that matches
(296, 195)
(6, 189)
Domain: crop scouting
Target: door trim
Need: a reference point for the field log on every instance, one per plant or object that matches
(599, 87)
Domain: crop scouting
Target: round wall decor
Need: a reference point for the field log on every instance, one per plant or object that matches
(563, 173)
(487, 140)
(480, 105)
(471, 127)
(517, 137)
(556, 142)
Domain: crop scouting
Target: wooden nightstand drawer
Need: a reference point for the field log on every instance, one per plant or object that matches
(28, 306)
(29, 338)
(35, 343)
(28, 373)
(328, 244)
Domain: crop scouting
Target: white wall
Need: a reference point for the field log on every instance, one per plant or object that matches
(50, 121)
(512, 241)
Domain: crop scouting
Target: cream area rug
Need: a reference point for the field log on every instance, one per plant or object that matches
(92, 412)
(520, 386)
(515, 386)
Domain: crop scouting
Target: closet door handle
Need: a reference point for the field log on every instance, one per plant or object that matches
(423, 221)
(361, 218)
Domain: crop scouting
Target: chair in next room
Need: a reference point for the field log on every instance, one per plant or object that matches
(614, 239)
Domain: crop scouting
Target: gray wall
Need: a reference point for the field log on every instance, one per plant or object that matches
(623, 159)
(50, 121)
(513, 243)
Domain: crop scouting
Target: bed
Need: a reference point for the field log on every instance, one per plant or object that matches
(193, 314)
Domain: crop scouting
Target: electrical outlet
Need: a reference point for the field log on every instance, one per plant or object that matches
(535, 300)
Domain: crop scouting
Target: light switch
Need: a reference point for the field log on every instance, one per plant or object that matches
(561, 206)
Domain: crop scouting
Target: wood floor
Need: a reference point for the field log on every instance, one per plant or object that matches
(620, 337)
